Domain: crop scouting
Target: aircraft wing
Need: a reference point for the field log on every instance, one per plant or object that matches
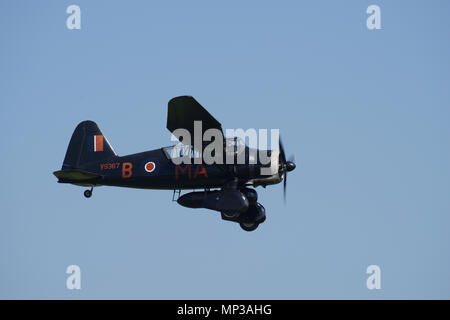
(182, 113)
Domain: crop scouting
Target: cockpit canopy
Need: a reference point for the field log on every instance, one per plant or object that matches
(233, 145)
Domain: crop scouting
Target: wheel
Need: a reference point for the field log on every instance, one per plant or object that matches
(255, 214)
(251, 195)
(87, 193)
(249, 226)
(231, 215)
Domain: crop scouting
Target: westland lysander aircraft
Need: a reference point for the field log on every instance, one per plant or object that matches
(90, 161)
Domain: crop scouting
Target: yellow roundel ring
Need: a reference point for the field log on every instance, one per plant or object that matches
(150, 166)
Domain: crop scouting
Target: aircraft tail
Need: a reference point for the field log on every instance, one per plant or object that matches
(87, 145)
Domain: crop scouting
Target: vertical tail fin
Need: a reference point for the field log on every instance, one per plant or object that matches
(87, 145)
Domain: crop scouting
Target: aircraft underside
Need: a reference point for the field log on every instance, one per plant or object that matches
(235, 202)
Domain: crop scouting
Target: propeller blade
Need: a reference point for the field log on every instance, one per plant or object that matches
(284, 166)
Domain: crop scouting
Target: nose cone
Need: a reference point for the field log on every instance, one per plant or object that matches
(290, 166)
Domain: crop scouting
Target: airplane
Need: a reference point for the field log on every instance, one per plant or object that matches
(90, 161)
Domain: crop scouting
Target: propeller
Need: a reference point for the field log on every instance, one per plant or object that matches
(285, 166)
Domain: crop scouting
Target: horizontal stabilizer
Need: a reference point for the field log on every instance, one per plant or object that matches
(75, 175)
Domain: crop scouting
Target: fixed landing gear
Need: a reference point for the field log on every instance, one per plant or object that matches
(251, 219)
(237, 205)
(249, 226)
(233, 215)
(88, 193)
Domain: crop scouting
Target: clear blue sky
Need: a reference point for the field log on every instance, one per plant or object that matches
(366, 112)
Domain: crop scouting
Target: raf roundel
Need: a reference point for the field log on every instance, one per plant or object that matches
(150, 166)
